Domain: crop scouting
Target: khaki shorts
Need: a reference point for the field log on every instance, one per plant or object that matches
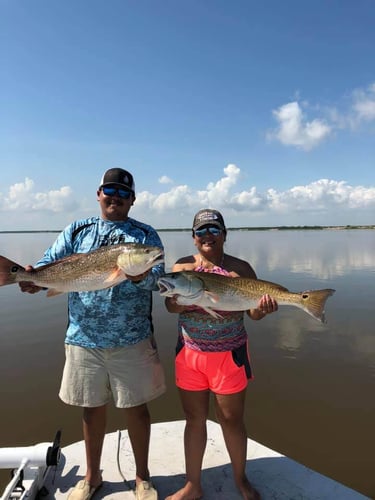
(130, 375)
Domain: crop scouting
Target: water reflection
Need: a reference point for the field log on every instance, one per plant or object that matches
(305, 372)
(322, 254)
(289, 337)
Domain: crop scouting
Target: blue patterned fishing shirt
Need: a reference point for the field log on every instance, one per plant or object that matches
(117, 316)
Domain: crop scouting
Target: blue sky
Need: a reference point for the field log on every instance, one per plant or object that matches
(263, 110)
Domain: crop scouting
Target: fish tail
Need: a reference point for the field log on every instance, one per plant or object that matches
(8, 270)
(313, 302)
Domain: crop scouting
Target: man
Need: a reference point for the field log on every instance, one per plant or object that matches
(109, 345)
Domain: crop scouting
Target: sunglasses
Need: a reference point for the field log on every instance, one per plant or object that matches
(111, 191)
(215, 231)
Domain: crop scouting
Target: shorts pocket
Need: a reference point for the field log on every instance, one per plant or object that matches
(179, 346)
(241, 358)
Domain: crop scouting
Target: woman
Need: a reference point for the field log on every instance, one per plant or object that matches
(212, 356)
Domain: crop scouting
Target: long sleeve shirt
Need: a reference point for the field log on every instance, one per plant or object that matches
(116, 316)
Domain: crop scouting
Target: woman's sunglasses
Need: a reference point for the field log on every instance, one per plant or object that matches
(215, 231)
(122, 193)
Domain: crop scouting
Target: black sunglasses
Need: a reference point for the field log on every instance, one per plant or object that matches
(122, 193)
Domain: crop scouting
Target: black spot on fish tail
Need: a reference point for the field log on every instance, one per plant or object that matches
(314, 302)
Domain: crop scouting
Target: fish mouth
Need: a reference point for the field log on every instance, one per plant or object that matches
(159, 255)
(158, 258)
(165, 288)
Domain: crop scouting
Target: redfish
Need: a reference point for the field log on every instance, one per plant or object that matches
(101, 268)
(214, 292)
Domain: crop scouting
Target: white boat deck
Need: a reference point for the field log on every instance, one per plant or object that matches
(274, 475)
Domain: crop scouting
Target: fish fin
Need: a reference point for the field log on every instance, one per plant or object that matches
(314, 302)
(7, 274)
(116, 276)
(52, 292)
(273, 285)
(211, 312)
(213, 297)
(185, 301)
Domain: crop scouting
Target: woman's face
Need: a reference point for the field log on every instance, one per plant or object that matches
(209, 237)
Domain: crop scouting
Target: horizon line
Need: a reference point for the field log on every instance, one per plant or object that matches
(239, 228)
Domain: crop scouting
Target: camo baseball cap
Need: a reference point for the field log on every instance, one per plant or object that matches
(208, 217)
(118, 176)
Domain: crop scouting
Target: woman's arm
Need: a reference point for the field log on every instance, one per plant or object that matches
(184, 264)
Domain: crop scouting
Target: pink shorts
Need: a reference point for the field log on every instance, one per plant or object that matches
(225, 372)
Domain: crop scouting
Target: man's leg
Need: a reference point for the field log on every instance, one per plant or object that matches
(139, 427)
(94, 422)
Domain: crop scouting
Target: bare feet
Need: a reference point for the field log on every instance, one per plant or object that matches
(188, 492)
(248, 491)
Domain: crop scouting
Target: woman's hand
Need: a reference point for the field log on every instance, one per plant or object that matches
(28, 286)
(266, 305)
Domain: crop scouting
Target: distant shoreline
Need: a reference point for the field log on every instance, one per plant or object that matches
(260, 228)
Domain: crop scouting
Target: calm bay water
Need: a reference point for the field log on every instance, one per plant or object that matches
(313, 394)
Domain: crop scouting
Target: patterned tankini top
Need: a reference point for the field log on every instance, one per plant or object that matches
(200, 331)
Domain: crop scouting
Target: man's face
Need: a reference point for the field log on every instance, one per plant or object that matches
(115, 202)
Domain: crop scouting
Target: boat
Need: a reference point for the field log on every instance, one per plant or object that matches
(274, 475)
(30, 467)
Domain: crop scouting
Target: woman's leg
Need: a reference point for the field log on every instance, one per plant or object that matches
(229, 411)
(195, 405)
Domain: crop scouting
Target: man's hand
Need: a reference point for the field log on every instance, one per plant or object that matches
(172, 305)
(136, 279)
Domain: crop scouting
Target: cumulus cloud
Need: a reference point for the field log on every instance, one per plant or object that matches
(359, 111)
(364, 104)
(23, 197)
(164, 179)
(321, 195)
(318, 196)
(228, 193)
(219, 192)
(295, 130)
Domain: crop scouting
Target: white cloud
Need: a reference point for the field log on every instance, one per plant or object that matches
(184, 198)
(21, 196)
(359, 110)
(364, 104)
(319, 202)
(321, 195)
(219, 192)
(295, 130)
(164, 179)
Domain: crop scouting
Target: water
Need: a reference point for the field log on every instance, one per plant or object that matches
(313, 394)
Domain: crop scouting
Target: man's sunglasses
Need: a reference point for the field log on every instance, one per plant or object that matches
(111, 191)
(215, 231)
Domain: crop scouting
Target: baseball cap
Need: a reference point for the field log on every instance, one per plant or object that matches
(208, 217)
(118, 176)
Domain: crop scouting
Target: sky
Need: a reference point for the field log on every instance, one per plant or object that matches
(264, 110)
